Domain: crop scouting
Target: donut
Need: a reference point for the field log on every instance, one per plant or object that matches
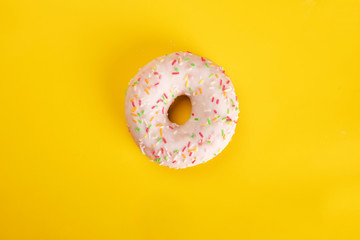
(214, 109)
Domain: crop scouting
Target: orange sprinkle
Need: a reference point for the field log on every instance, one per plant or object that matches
(147, 91)
(183, 155)
(136, 95)
(152, 157)
(134, 114)
(152, 118)
(161, 133)
(224, 136)
(216, 75)
(224, 94)
(214, 119)
(132, 99)
(134, 109)
(200, 90)
(196, 93)
(134, 120)
(157, 112)
(146, 81)
(159, 125)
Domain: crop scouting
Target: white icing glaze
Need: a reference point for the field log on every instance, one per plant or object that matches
(214, 110)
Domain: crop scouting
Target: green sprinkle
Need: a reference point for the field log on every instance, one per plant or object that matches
(125, 92)
(228, 111)
(192, 136)
(236, 108)
(166, 158)
(176, 151)
(139, 114)
(165, 103)
(208, 141)
(215, 154)
(232, 101)
(149, 126)
(223, 118)
(159, 139)
(172, 95)
(136, 82)
(209, 122)
(220, 87)
(157, 160)
(228, 121)
(206, 65)
(219, 116)
(163, 97)
(196, 119)
(222, 132)
(187, 59)
(176, 69)
(137, 129)
(211, 75)
(156, 106)
(193, 64)
(139, 121)
(190, 89)
(143, 111)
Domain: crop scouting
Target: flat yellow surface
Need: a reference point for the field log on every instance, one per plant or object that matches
(70, 170)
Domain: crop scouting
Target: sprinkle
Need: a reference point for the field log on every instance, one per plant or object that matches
(216, 75)
(175, 73)
(215, 111)
(228, 111)
(137, 129)
(209, 122)
(162, 111)
(146, 81)
(190, 154)
(139, 102)
(183, 155)
(161, 132)
(202, 59)
(164, 140)
(201, 81)
(143, 111)
(134, 109)
(147, 92)
(176, 151)
(217, 101)
(222, 132)
(190, 89)
(224, 137)
(219, 87)
(134, 120)
(232, 101)
(157, 160)
(152, 107)
(133, 104)
(196, 93)
(134, 114)
(186, 77)
(193, 161)
(156, 84)
(201, 134)
(171, 127)
(145, 136)
(165, 96)
(156, 73)
(193, 64)
(228, 82)
(152, 118)
(214, 119)
(160, 100)
(152, 157)
(159, 139)
(176, 69)
(184, 149)
(139, 121)
(187, 84)
(174, 161)
(166, 158)
(192, 136)
(173, 62)
(220, 82)
(196, 119)
(212, 100)
(206, 65)
(187, 59)
(223, 88)
(159, 125)
(208, 141)
(211, 75)
(188, 144)
(200, 90)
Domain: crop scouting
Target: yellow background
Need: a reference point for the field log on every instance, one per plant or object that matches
(70, 170)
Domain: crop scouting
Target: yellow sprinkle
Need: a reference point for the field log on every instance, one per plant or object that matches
(159, 125)
(134, 120)
(224, 94)
(145, 136)
(212, 64)
(204, 124)
(146, 81)
(224, 136)
(171, 91)
(186, 77)
(196, 148)
(152, 118)
(152, 145)
(147, 91)
(161, 133)
(201, 81)
(187, 84)
(216, 75)
(153, 67)
(136, 95)
(214, 119)
(134, 114)
(183, 155)
(134, 109)
(200, 90)
(157, 112)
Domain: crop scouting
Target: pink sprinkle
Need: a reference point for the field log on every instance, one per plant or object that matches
(154, 152)
(201, 141)
(174, 161)
(220, 82)
(223, 87)
(171, 154)
(159, 76)
(156, 84)
(202, 59)
(177, 54)
(156, 73)
(152, 107)
(164, 140)
(192, 114)
(147, 130)
(228, 82)
(175, 73)
(162, 110)
(201, 134)
(236, 98)
(235, 121)
(165, 96)
(171, 127)
(133, 104)
(217, 101)
(162, 150)
(215, 111)
(193, 162)
(189, 144)
(160, 100)
(212, 100)
(228, 119)
(184, 149)
(157, 156)
(190, 154)
(138, 79)
(173, 62)
(139, 102)
(223, 71)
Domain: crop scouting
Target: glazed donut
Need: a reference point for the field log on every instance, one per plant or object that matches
(213, 117)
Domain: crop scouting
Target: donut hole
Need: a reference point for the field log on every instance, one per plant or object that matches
(180, 110)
